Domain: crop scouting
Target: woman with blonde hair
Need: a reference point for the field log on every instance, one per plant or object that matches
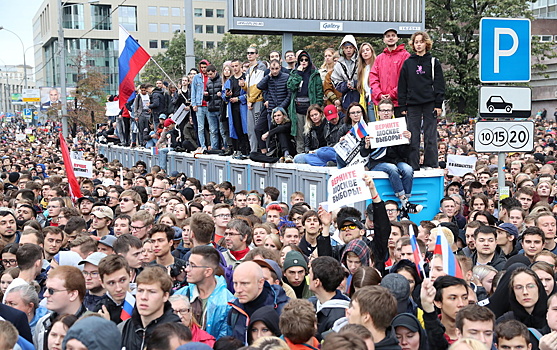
(331, 94)
(316, 148)
(366, 58)
(483, 275)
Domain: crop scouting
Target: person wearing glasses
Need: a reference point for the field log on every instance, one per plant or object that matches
(130, 202)
(237, 239)
(93, 285)
(306, 89)
(254, 75)
(142, 222)
(203, 304)
(221, 215)
(345, 72)
(65, 291)
(394, 161)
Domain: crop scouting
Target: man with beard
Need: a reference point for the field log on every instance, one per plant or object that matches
(24, 213)
(8, 227)
(85, 205)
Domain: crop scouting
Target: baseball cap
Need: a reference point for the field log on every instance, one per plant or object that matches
(271, 265)
(94, 258)
(103, 212)
(330, 112)
(509, 228)
(108, 240)
(86, 198)
(352, 220)
(390, 30)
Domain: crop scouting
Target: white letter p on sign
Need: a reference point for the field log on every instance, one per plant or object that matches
(501, 53)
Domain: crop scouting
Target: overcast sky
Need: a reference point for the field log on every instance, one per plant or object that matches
(17, 16)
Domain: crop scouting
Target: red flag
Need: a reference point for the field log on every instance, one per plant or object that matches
(75, 191)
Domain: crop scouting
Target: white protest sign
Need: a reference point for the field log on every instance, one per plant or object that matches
(28, 131)
(112, 108)
(20, 137)
(180, 114)
(349, 150)
(460, 165)
(83, 168)
(346, 186)
(385, 133)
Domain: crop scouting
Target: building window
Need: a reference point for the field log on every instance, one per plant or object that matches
(220, 29)
(163, 11)
(546, 38)
(153, 44)
(153, 27)
(101, 18)
(209, 29)
(198, 12)
(175, 12)
(210, 44)
(164, 44)
(175, 28)
(165, 27)
(220, 13)
(198, 29)
(72, 17)
(152, 10)
(209, 13)
(127, 17)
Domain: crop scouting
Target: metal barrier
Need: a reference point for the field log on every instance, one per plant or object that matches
(286, 177)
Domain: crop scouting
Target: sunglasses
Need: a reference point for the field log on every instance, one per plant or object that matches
(304, 59)
(348, 227)
(250, 53)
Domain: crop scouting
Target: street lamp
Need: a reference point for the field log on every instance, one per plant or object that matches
(23, 48)
(62, 68)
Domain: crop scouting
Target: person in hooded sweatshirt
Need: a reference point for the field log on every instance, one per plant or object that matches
(263, 323)
(345, 75)
(409, 331)
(355, 255)
(92, 333)
(306, 88)
(421, 91)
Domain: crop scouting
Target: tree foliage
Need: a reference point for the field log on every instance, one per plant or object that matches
(454, 27)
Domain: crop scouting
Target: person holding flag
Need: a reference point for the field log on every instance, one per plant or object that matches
(392, 160)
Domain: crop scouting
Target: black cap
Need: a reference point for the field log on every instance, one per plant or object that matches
(353, 220)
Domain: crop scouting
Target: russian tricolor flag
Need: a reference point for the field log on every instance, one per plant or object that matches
(360, 130)
(418, 259)
(450, 264)
(131, 60)
(154, 151)
(128, 306)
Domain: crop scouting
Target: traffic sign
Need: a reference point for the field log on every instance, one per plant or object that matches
(505, 50)
(504, 136)
(27, 111)
(505, 101)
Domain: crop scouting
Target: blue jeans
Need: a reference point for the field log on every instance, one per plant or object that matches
(401, 177)
(213, 118)
(162, 156)
(319, 158)
(201, 114)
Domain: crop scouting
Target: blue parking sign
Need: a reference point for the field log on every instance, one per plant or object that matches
(505, 50)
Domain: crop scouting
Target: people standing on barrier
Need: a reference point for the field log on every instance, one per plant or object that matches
(332, 96)
(237, 111)
(199, 105)
(223, 120)
(366, 58)
(168, 141)
(393, 160)
(344, 75)
(421, 91)
(383, 77)
(213, 96)
(142, 114)
(307, 89)
(254, 74)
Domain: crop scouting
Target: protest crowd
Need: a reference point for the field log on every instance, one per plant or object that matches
(139, 258)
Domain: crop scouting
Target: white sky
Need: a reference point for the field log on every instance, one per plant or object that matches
(17, 16)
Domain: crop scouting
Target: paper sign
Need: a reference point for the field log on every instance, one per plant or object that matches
(112, 108)
(349, 150)
(83, 168)
(180, 114)
(28, 131)
(346, 186)
(387, 133)
(460, 165)
(20, 137)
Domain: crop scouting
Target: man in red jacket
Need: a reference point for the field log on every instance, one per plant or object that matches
(384, 74)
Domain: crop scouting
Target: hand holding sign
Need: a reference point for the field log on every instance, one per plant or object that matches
(346, 186)
(389, 132)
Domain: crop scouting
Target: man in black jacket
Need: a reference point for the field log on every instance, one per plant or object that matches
(275, 94)
(157, 105)
(151, 308)
(212, 94)
(114, 273)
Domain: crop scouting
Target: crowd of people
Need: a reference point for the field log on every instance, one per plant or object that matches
(265, 111)
(144, 259)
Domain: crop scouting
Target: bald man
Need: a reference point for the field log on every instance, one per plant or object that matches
(252, 293)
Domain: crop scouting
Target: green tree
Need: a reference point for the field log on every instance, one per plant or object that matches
(454, 27)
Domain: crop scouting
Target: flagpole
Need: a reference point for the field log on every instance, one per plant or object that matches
(168, 77)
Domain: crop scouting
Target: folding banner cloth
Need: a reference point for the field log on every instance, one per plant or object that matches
(75, 191)
(130, 61)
